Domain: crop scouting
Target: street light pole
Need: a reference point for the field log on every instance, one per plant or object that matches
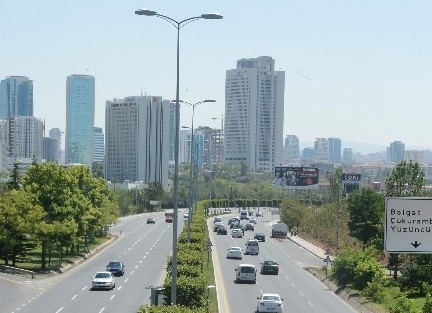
(177, 25)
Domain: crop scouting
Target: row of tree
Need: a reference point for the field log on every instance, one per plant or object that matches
(54, 208)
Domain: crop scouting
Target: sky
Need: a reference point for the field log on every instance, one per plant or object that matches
(357, 70)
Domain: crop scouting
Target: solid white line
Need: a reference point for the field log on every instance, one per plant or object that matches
(112, 297)
(74, 297)
(61, 309)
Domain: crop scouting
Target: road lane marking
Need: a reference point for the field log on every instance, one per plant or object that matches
(140, 262)
(84, 288)
(59, 310)
(292, 284)
(310, 303)
(301, 293)
(112, 297)
(103, 309)
(73, 298)
(126, 279)
(136, 266)
(119, 288)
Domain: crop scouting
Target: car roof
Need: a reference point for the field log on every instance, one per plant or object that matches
(235, 248)
(245, 264)
(259, 233)
(103, 272)
(271, 294)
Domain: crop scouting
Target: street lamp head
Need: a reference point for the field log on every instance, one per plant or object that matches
(145, 12)
(211, 16)
(209, 101)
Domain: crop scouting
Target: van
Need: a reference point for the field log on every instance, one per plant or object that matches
(244, 215)
(252, 247)
(245, 272)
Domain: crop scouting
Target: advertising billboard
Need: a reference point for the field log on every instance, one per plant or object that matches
(350, 181)
(289, 177)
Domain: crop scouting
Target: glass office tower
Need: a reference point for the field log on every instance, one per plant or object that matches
(80, 111)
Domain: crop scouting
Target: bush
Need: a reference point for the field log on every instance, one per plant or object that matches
(404, 305)
(356, 268)
(375, 290)
(191, 291)
(427, 307)
(169, 309)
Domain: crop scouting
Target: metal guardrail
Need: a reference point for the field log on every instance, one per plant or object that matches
(16, 270)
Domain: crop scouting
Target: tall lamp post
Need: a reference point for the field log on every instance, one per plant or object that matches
(178, 25)
(191, 185)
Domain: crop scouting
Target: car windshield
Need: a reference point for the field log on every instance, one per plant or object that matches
(271, 298)
(248, 269)
(235, 249)
(114, 264)
(102, 275)
(269, 262)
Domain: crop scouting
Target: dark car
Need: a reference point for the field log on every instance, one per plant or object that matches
(269, 267)
(151, 220)
(242, 227)
(116, 268)
(222, 231)
(259, 236)
(250, 226)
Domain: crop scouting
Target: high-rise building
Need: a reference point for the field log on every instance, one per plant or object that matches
(50, 149)
(396, 151)
(16, 97)
(334, 150)
(55, 133)
(25, 137)
(308, 153)
(254, 109)
(137, 139)
(321, 148)
(98, 145)
(348, 156)
(80, 111)
(291, 149)
(172, 132)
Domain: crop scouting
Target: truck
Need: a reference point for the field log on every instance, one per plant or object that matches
(169, 217)
(279, 230)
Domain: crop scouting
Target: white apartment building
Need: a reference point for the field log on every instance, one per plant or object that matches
(25, 137)
(291, 149)
(254, 110)
(137, 139)
(321, 148)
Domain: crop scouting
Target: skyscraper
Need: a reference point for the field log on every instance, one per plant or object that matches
(25, 137)
(254, 109)
(396, 152)
(137, 139)
(55, 133)
(16, 97)
(80, 111)
(321, 148)
(334, 150)
(292, 149)
(99, 146)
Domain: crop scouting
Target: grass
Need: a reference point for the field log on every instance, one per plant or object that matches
(209, 276)
(33, 260)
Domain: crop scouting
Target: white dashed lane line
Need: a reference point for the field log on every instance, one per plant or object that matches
(73, 298)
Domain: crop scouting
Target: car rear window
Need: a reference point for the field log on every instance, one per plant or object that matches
(247, 269)
(252, 243)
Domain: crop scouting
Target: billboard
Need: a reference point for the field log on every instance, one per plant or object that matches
(350, 181)
(289, 177)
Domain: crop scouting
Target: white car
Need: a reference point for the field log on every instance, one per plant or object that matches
(269, 302)
(186, 214)
(253, 220)
(237, 233)
(235, 253)
(103, 280)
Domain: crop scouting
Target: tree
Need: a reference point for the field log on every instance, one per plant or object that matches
(98, 169)
(292, 213)
(405, 180)
(336, 185)
(366, 214)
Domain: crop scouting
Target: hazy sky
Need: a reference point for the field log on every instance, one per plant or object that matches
(360, 70)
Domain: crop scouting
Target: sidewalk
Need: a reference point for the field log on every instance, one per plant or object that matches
(315, 250)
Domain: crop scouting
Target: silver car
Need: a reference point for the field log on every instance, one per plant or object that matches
(103, 280)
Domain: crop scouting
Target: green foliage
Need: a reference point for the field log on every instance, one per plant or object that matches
(404, 305)
(191, 291)
(366, 214)
(417, 276)
(356, 268)
(375, 290)
(292, 212)
(405, 180)
(427, 307)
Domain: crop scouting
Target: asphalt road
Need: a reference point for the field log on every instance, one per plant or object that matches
(142, 247)
(301, 291)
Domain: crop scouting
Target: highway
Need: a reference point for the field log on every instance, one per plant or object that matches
(142, 247)
(301, 291)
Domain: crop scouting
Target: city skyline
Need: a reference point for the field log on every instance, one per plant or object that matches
(353, 70)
